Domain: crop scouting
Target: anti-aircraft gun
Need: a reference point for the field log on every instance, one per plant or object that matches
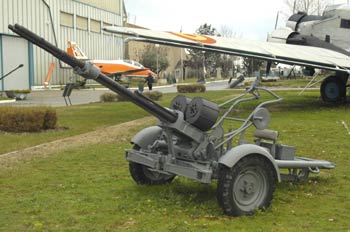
(190, 140)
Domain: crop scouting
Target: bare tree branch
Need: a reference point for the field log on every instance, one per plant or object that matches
(311, 7)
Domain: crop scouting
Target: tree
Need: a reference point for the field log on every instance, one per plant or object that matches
(226, 62)
(153, 55)
(311, 7)
(207, 61)
(252, 65)
(227, 32)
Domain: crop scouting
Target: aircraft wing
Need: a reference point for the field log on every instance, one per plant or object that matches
(275, 52)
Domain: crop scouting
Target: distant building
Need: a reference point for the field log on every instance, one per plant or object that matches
(57, 21)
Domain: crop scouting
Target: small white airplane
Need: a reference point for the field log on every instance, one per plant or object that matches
(307, 56)
(114, 68)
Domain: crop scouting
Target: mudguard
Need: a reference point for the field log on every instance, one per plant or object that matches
(146, 136)
(231, 157)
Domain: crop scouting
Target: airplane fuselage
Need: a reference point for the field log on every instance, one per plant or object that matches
(111, 67)
(114, 68)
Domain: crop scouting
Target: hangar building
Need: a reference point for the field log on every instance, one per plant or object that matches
(57, 21)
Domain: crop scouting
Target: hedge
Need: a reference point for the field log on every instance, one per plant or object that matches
(154, 95)
(193, 88)
(31, 119)
(112, 97)
(108, 97)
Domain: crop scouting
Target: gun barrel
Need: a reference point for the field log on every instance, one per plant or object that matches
(91, 72)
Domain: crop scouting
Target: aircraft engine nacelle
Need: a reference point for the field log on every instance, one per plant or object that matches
(281, 35)
(287, 36)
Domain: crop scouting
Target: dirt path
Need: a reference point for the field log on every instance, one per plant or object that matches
(117, 133)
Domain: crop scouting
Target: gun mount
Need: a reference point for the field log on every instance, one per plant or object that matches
(189, 140)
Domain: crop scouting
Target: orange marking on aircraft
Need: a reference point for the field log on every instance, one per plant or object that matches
(196, 38)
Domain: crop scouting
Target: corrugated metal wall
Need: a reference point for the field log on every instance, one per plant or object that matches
(35, 15)
(1, 65)
(108, 5)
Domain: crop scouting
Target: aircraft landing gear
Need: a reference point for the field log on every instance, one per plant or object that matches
(333, 89)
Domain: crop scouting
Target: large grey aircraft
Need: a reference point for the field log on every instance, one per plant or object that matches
(330, 31)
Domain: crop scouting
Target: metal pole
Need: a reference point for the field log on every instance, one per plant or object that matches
(204, 69)
(295, 1)
(277, 19)
(182, 65)
(157, 47)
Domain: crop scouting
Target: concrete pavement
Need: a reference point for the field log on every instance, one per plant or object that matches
(85, 96)
(54, 98)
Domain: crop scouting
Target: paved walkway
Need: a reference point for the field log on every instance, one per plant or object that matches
(85, 96)
(54, 98)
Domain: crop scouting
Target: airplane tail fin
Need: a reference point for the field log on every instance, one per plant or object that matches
(74, 50)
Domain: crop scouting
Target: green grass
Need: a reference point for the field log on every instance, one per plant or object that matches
(84, 118)
(283, 82)
(296, 83)
(4, 98)
(90, 189)
(71, 121)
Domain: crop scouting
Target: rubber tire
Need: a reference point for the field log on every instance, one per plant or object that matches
(336, 82)
(142, 176)
(229, 180)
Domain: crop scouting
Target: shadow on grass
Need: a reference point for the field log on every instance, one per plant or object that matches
(198, 192)
(181, 193)
(184, 188)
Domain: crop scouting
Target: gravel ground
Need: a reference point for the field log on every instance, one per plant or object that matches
(113, 134)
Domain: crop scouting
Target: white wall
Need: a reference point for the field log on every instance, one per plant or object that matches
(15, 52)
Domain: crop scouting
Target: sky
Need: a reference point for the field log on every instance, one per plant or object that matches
(247, 19)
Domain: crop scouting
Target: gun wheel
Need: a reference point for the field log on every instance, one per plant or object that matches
(142, 175)
(247, 186)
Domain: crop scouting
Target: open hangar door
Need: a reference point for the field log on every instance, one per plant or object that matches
(14, 52)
